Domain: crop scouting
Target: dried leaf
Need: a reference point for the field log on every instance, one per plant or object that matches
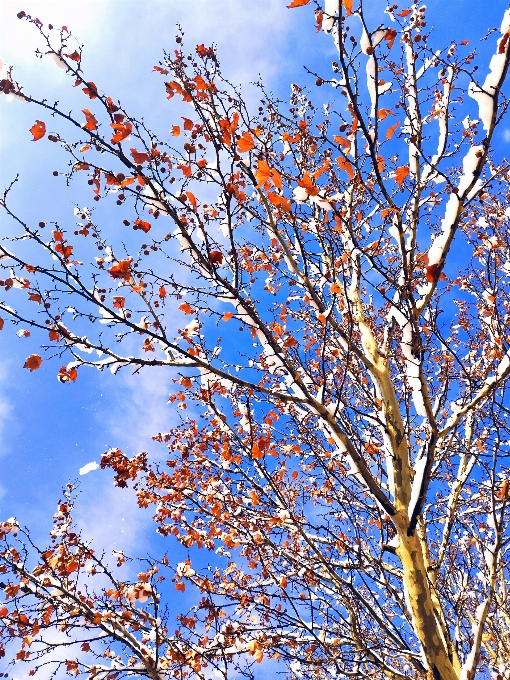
(245, 143)
(140, 157)
(33, 362)
(347, 5)
(140, 224)
(38, 129)
(216, 257)
(121, 270)
(390, 131)
(91, 123)
(400, 174)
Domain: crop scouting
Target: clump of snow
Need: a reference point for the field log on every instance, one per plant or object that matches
(140, 592)
(57, 59)
(330, 13)
(88, 468)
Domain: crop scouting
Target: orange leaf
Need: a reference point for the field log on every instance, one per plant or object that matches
(400, 174)
(390, 131)
(112, 180)
(503, 492)
(67, 376)
(279, 201)
(91, 123)
(390, 36)
(297, 3)
(345, 165)
(245, 143)
(65, 251)
(1, 323)
(35, 297)
(227, 316)
(110, 106)
(404, 12)
(162, 292)
(307, 183)
(186, 308)
(33, 362)
(122, 270)
(186, 170)
(347, 5)
(188, 124)
(387, 211)
(343, 141)
(90, 90)
(192, 199)
(140, 224)
(176, 130)
(263, 172)
(384, 113)
(180, 586)
(38, 129)
(118, 302)
(123, 130)
(75, 56)
(54, 336)
(277, 178)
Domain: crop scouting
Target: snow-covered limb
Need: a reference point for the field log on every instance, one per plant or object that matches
(473, 161)
(502, 371)
(486, 95)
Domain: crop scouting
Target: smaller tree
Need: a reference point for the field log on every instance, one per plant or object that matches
(345, 462)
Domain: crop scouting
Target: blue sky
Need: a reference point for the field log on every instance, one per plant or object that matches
(49, 430)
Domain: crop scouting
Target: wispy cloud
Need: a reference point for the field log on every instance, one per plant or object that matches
(5, 413)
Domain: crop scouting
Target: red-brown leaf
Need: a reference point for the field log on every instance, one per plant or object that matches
(33, 362)
(216, 257)
(431, 272)
(140, 224)
(140, 157)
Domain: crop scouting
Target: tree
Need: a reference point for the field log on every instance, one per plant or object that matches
(332, 296)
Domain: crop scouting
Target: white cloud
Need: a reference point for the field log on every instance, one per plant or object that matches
(140, 408)
(5, 411)
(506, 135)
